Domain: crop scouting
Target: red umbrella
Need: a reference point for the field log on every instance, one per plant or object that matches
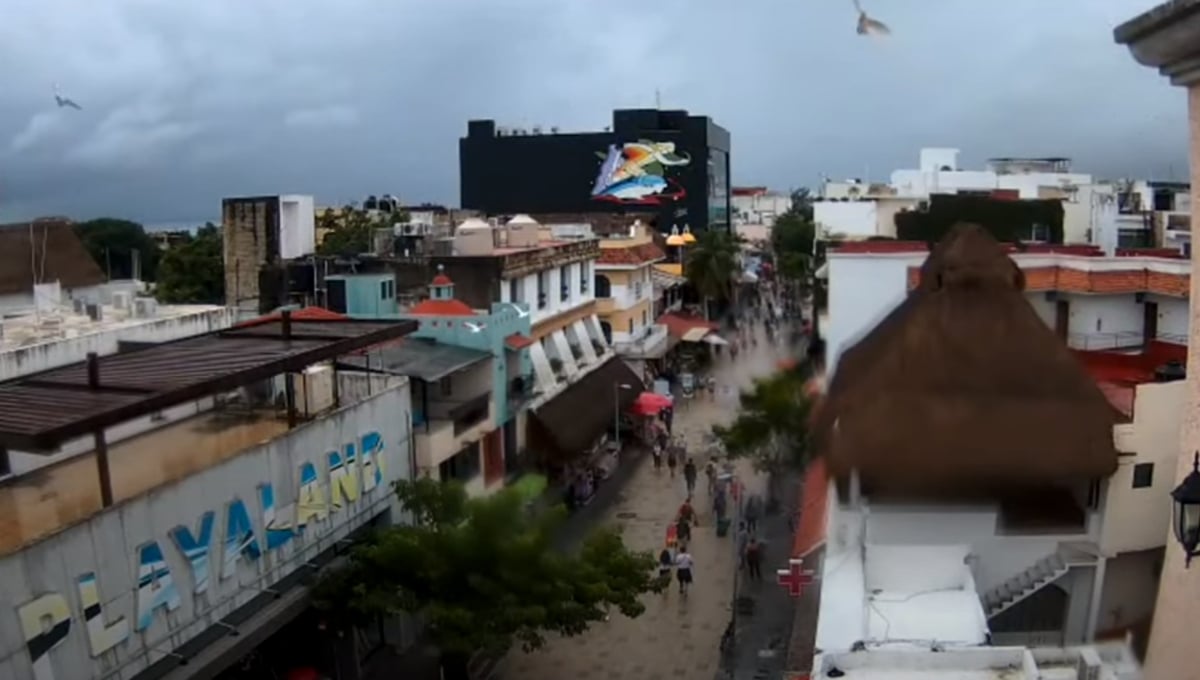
(650, 403)
(306, 673)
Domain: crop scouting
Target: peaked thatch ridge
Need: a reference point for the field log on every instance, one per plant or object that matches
(55, 253)
(962, 387)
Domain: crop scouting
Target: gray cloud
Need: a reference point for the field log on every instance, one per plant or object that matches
(187, 102)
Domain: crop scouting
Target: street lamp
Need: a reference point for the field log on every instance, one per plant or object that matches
(1186, 517)
(617, 387)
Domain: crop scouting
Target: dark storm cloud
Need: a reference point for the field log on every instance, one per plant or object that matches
(187, 102)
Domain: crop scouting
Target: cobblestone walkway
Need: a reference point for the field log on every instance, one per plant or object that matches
(675, 637)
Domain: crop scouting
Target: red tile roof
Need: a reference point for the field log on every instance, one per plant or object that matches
(1119, 368)
(642, 254)
(518, 341)
(302, 314)
(441, 308)
(1169, 253)
(813, 511)
(441, 280)
(678, 324)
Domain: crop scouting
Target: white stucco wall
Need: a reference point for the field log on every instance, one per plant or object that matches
(862, 291)
(182, 594)
(1139, 519)
(576, 296)
(852, 219)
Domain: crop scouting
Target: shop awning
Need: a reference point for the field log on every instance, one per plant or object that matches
(577, 417)
(665, 279)
(695, 334)
(679, 325)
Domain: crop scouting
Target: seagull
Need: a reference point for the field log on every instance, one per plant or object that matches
(521, 312)
(474, 327)
(64, 102)
(869, 26)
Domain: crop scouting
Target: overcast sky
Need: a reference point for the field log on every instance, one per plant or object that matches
(189, 101)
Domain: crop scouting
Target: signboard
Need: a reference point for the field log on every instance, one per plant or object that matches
(119, 591)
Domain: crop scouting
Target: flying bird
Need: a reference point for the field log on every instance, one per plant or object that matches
(521, 311)
(474, 327)
(869, 26)
(65, 102)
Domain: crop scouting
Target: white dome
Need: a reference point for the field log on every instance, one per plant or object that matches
(522, 219)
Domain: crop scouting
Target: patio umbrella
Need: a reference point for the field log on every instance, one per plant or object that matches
(650, 403)
(304, 673)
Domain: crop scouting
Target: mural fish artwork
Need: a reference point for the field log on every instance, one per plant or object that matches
(635, 172)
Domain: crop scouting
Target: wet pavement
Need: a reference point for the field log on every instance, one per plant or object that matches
(676, 637)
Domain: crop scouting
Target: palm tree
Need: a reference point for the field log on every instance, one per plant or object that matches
(712, 264)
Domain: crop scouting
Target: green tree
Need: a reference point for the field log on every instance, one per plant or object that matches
(484, 574)
(351, 230)
(193, 271)
(712, 264)
(113, 244)
(771, 428)
(792, 242)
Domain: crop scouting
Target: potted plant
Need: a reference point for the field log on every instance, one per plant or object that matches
(576, 351)
(598, 346)
(556, 365)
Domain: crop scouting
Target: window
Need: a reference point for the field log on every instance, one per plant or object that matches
(631, 326)
(584, 277)
(514, 290)
(387, 290)
(603, 287)
(462, 466)
(1039, 233)
(637, 290)
(645, 320)
(1143, 475)
(542, 283)
(564, 277)
(446, 386)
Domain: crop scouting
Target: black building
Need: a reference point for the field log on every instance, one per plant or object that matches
(667, 162)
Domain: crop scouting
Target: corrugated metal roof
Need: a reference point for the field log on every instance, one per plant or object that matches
(424, 359)
(40, 411)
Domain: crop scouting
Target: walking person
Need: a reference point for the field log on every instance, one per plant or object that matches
(752, 512)
(710, 471)
(753, 558)
(665, 562)
(689, 475)
(672, 458)
(683, 568)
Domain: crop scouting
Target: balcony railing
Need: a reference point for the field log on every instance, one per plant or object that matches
(520, 390)
(649, 346)
(1101, 341)
(464, 413)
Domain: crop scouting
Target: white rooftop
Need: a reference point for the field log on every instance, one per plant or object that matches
(1108, 661)
(899, 596)
(34, 328)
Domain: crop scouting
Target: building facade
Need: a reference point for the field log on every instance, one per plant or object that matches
(668, 162)
(625, 288)
(1167, 38)
(260, 233)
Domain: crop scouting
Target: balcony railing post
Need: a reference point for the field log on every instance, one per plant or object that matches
(106, 494)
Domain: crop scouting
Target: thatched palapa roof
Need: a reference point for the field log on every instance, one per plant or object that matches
(963, 388)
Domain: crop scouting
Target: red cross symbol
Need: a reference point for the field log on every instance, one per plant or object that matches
(795, 577)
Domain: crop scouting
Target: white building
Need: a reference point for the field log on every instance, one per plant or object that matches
(1065, 581)
(755, 210)
(1089, 206)
(170, 550)
(1092, 301)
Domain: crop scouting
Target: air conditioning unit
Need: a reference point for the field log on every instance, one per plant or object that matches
(95, 312)
(554, 130)
(145, 308)
(123, 300)
(1088, 666)
(537, 129)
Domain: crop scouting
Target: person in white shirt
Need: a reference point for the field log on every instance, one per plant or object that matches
(683, 568)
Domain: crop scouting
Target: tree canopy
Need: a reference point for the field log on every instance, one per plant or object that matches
(350, 230)
(484, 572)
(712, 263)
(193, 271)
(112, 243)
(771, 428)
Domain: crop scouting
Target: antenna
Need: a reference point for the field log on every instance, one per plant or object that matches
(657, 99)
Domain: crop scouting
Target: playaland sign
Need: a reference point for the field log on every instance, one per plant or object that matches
(178, 580)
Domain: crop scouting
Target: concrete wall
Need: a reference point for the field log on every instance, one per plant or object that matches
(578, 276)
(1138, 519)
(1130, 583)
(117, 592)
(862, 291)
(850, 219)
(41, 356)
(1172, 652)
(1000, 556)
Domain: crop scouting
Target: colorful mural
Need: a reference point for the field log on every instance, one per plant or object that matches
(46, 620)
(636, 173)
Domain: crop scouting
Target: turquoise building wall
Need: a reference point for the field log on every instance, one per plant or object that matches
(365, 295)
